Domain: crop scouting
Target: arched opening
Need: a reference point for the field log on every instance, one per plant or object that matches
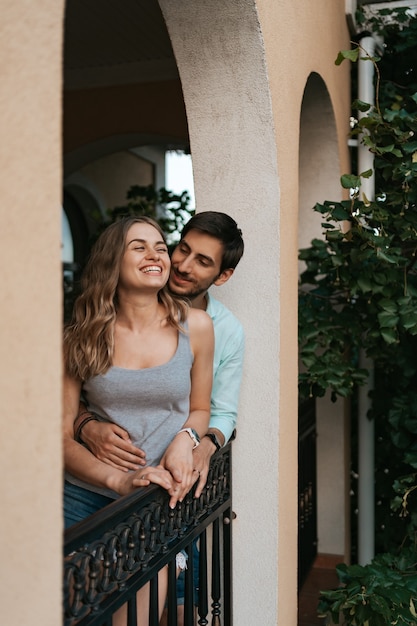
(123, 109)
(319, 168)
(327, 474)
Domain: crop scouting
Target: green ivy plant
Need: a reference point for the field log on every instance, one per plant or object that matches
(383, 592)
(358, 293)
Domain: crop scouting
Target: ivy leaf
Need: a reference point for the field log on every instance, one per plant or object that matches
(351, 55)
(409, 321)
(389, 335)
(389, 258)
(350, 181)
(410, 147)
(361, 106)
(364, 284)
(388, 305)
(340, 213)
(387, 320)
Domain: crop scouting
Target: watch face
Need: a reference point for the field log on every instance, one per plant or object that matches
(195, 435)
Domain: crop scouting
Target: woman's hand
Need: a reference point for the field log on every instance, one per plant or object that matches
(178, 457)
(178, 461)
(157, 475)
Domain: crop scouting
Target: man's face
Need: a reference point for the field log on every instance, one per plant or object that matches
(195, 264)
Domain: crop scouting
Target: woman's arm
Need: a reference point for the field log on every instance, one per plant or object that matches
(178, 458)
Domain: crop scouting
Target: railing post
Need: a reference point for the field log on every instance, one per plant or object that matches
(215, 585)
(228, 517)
(203, 582)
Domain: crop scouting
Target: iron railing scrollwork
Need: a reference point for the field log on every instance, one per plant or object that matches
(109, 556)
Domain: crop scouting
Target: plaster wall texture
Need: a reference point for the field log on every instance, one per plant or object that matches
(114, 174)
(219, 53)
(30, 332)
(300, 38)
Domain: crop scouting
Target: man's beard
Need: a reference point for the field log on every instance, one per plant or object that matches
(192, 295)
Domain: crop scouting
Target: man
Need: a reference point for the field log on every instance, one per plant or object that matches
(210, 248)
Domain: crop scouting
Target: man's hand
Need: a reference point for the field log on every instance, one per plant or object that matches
(111, 444)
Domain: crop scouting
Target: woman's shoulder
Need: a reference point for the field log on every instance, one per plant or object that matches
(199, 320)
(201, 331)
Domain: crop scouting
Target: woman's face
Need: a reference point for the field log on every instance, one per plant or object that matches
(145, 263)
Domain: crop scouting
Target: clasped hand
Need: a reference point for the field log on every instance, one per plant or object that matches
(176, 473)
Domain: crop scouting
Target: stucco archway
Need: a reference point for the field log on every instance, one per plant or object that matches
(220, 55)
(319, 167)
(319, 174)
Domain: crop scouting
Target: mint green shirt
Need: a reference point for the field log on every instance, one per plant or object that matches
(229, 348)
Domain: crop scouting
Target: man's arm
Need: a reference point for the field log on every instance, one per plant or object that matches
(224, 403)
(107, 441)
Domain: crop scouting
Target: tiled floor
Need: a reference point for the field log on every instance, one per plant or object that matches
(321, 576)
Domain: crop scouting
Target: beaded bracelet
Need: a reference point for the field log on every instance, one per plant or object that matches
(89, 418)
(79, 419)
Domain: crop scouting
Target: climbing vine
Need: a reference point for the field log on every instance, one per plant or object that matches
(358, 293)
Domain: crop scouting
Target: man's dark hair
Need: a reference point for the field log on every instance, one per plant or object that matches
(223, 227)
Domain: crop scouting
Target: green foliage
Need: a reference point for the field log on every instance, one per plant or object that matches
(170, 210)
(359, 287)
(383, 592)
(358, 293)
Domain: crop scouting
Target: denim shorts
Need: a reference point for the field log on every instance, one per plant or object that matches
(79, 503)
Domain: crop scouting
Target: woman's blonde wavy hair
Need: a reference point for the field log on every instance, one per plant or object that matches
(89, 337)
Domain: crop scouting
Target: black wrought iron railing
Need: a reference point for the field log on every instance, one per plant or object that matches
(307, 488)
(112, 554)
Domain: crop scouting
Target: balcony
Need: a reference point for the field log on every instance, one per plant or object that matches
(112, 554)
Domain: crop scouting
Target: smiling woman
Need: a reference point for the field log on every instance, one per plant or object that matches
(146, 255)
(128, 333)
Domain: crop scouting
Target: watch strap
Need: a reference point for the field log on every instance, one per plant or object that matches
(214, 439)
(193, 434)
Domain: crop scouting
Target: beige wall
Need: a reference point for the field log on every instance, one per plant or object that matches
(114, 174)
(30, 330)
(300, 38)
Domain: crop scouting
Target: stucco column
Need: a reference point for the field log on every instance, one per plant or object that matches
(30, 332)
(219, 51)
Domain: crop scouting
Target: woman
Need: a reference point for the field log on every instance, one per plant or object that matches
(139, 358)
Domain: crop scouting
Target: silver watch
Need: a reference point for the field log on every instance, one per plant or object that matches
(193, 434)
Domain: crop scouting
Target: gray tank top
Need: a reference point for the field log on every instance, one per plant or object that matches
(151, 404)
